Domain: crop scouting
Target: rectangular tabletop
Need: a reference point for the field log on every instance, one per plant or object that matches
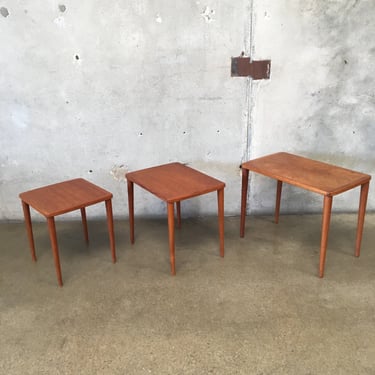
(174, 182)
(64, 197)
(309, 174)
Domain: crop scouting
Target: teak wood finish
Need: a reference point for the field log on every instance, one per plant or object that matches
(322, 178)
(173, 183)
(60, 198)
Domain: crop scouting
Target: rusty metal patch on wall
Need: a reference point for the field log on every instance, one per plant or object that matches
(243, 67)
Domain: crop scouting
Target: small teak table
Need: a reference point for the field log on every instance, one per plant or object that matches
(322, 178)
(60, 198)
(173, 183)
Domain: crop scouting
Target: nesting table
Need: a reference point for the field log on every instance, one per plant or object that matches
(173, 183)
(60, 198)
(322, 178)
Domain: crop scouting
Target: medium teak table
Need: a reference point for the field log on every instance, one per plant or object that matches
(60, 198)
(322, 178)
(173, 183)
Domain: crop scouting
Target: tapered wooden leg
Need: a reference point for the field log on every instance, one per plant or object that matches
(108, 207)
(84, 223)
(220, 201)
(361, 217)
(55, 249)
(278, 200)
(178, 209)
(245, 182)
(327, 207)
(171, 236)
(131, 209)
(29, 229)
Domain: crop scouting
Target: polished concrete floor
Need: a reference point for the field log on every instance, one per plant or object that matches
(260, 310)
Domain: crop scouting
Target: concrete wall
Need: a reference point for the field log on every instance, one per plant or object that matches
(320, 101)
(92, 89)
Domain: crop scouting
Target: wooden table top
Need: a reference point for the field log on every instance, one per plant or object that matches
(64, 197)
(174, 182)
(322, 178)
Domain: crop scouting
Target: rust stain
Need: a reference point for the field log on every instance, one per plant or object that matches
(243, 67)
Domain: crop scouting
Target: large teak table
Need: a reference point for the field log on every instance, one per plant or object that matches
(173, 183)
(322, 178)
(60, 198)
